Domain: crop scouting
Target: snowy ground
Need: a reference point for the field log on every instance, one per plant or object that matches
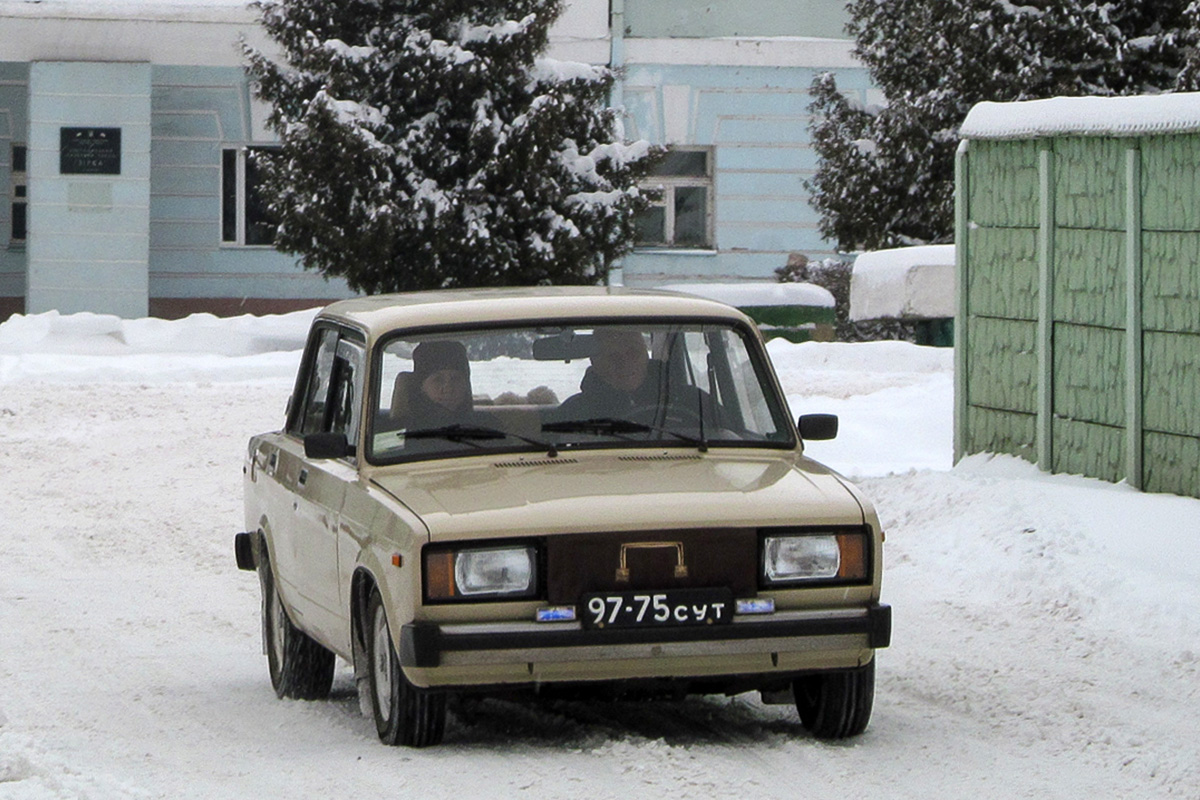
(1046, 642)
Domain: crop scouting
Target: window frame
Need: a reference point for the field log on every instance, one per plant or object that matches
(346, 365)
(235, 203)
(757, 358)
(666, 186)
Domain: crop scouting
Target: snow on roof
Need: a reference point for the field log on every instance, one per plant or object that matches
(907, 282)
(758, 295)
(1085, 116)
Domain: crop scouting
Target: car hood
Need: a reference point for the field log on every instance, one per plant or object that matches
(469, 498)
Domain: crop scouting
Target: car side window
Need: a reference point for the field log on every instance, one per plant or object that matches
(346, 388)
(315, 405)
(332, 390)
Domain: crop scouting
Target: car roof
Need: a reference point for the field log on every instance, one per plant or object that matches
(378, 314)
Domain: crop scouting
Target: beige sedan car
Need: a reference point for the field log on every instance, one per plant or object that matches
(558, 489)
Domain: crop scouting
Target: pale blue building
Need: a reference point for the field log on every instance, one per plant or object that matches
(726, 86)
(124, 128)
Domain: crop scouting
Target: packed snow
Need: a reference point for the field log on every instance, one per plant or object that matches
(1046, 642)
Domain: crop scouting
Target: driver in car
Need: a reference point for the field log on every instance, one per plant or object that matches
(621, 378)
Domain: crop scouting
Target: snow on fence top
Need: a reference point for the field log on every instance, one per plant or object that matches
(758, 295)
(1085, 116)
(904, 283)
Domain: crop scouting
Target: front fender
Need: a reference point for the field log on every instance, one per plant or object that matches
(388, 561)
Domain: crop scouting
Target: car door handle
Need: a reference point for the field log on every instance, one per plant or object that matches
(303, 477)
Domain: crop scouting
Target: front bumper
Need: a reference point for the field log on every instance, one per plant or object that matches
(429, 645)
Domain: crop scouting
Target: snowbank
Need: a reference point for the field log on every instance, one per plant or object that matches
(904, 283)
(190, 10)
(91, 347)
(123, 5)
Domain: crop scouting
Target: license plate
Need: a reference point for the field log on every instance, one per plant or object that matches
(656, 609)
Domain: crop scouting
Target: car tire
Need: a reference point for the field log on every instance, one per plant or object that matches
(300, 668)
(837, 704)
(404, 714)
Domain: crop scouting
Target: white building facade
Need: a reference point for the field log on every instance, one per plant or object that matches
(124, 127)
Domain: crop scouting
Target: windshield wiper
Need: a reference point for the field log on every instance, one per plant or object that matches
(611, 426)
(461, 434)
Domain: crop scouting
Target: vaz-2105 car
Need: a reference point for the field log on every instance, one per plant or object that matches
(556, 489)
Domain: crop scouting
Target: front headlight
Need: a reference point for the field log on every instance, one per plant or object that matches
(478, 573)
(811, 557)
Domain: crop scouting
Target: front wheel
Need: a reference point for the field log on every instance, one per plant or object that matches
(837, 704)
(404, 714)
(300, 668)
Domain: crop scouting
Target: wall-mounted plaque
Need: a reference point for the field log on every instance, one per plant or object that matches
(90, 151)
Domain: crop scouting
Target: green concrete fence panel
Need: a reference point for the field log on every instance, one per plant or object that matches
(1171, 389)
(1089, 277)
(1089, 183)
(1084, 448)
(1172, 463)
(1089, 374)
(1009, 197)
(1171, 281)
(1003, 365)
(1004, 432)
(1005, 280)
(1171, 183)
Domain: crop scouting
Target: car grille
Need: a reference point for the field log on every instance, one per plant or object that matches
(580, 563)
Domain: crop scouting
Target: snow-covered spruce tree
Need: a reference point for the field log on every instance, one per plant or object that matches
(1189, 42)
(885, 174)
(431, 145)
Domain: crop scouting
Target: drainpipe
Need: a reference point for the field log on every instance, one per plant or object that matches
(616, 56)
(616, 96)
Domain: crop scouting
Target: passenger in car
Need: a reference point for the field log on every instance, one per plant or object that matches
(438, 390)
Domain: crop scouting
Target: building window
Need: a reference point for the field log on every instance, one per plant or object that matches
(244, 217)
(682, 217)
(19, 196)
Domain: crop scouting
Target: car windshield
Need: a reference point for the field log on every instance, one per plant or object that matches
(573, 387)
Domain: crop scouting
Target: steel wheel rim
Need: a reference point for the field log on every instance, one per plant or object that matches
(381, 664)
(279, 621)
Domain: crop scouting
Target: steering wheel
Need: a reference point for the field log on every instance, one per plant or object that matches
(674, 412)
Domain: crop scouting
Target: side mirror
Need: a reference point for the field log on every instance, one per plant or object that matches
(326, 445)
(818, 427)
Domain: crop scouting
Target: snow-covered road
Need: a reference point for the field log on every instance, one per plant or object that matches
(1046, 642)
